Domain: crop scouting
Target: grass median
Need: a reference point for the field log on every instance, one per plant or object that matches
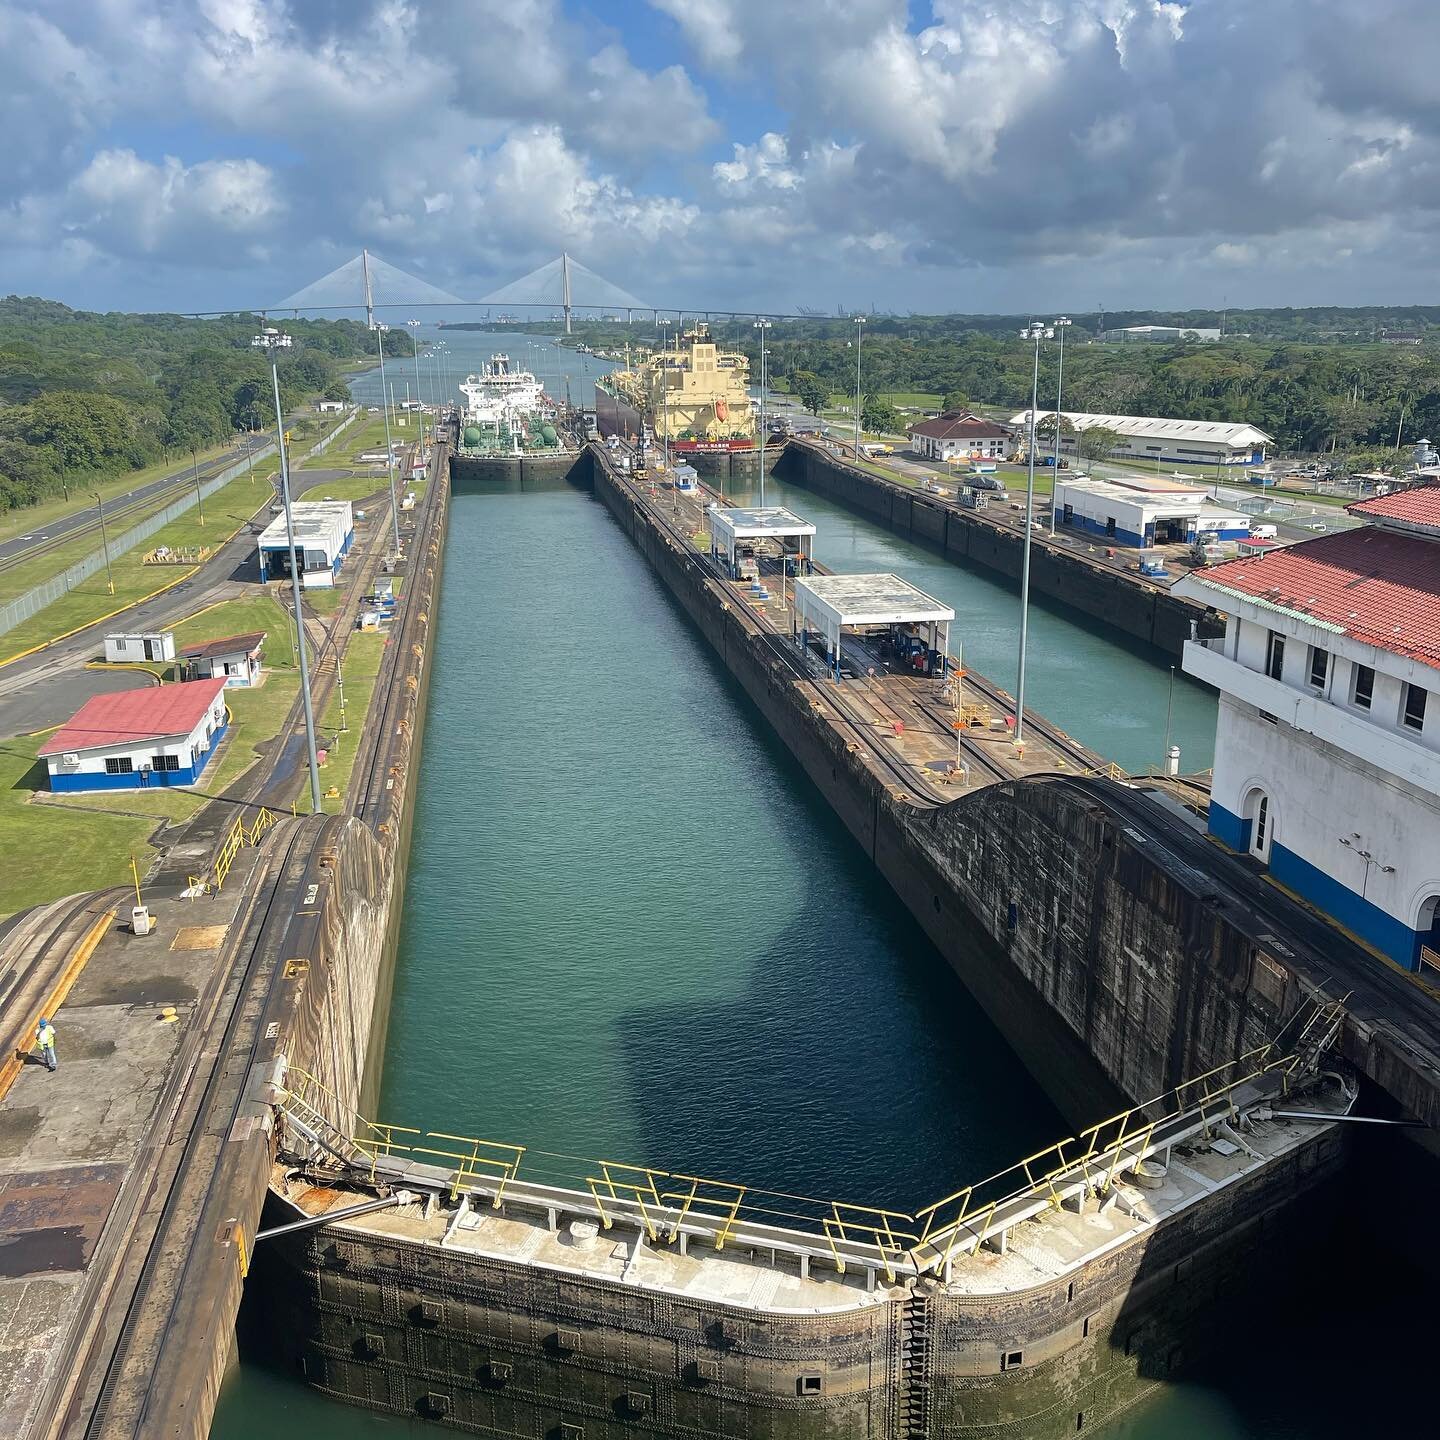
(225, 512)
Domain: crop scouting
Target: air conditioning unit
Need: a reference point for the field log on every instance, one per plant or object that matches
(70, 758)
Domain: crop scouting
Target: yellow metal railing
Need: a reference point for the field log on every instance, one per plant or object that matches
(669, 1206)
(240, 834)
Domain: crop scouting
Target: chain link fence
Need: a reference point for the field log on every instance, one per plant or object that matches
(34, 600)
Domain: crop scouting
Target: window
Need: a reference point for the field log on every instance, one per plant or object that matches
(1364, 688)
(165, 762)
(1012, 1359)
(1262, 822)
(1319, 666)
(119, 765)
(1275, 656)
(1110, 526)
(1414, 712)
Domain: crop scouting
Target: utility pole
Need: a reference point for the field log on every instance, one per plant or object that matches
(859, 325)
(104, 541)
(272, 342)
(1061, 325)
(1036, 332)
(762, 326)
(389, 450)
(195, 474)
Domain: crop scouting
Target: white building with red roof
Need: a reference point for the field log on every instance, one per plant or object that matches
(138, 739)
(1327, 750)
(958, 433)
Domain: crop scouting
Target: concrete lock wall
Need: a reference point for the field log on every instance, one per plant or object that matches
(1111, 980)
(501, 1348)
(1120, 601)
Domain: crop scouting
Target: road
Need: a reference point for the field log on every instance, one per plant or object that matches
(120, 508)
(46, 688)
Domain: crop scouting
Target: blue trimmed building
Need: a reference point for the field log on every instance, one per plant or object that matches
(155, 737)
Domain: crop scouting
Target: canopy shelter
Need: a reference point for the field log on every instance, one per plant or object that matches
(730, 528)
(830, 604)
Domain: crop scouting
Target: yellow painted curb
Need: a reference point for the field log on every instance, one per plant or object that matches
(11, 1063)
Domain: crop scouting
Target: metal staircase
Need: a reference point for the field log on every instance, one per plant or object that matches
(310, 1136)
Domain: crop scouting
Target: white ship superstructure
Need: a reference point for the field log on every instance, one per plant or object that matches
(502, 398)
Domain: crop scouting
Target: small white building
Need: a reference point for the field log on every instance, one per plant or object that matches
(1185, 442)
(1327, 749)
(958, 434)
(235, 659)
(1142, 512)
(160, 735)
(324, 533)
(331, 407)
(128, 649)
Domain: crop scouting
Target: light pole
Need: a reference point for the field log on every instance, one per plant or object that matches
(1353, 842)
(195, 475)
(1036, 332)
(762, 326)
(104, 541)
(389, 451)
(414, 328)
(665, 399)
(1061, 326)
(271, 341)
(859, 323)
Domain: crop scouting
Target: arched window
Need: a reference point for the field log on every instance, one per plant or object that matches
(1261, 820)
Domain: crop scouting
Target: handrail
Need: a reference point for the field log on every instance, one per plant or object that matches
(239, 835)
(672, 1206)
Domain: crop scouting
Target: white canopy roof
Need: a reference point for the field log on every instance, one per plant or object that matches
(1151, 427)
(750, 523)
(867, 600)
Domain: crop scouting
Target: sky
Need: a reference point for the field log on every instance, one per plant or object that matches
(941, 155)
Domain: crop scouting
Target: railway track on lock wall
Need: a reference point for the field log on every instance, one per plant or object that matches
(182, 1122)
(901, 774)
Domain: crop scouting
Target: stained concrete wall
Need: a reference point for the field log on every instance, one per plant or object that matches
(1121, 602)
(1115, 981)
(497, 1347)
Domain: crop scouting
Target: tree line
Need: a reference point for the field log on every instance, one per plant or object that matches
(1346, 394)
(85, 396)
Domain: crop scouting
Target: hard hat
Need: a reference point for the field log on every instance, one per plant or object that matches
(44, 1021)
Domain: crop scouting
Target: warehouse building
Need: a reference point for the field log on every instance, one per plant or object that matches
(138, 739)
(1164, 333)
(1186, 442)
(324, 533)
(1143, 512)
(1327, 747)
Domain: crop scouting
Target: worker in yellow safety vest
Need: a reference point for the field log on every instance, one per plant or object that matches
(45, 1039)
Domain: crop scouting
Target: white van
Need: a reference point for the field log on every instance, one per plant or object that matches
(1264, 532)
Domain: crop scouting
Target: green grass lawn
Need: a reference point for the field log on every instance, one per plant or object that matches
(350, 487)
(365, 434)
(360, 670)
(225, 511)
(256, 715)
(914, 399)
(50, 852)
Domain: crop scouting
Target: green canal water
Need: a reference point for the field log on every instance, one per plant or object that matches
(632, 930)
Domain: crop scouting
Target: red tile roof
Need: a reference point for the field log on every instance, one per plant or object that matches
(1378, 586)
(959, 427)
(225, 645)
(1417, 508)
(130, 717)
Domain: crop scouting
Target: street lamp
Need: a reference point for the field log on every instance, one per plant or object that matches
(1061, 326)
(195, 475)
(762, 326)
(859, 322)
(414, 328)
(104, 541)
(665, 399)
(1036, 332)
(271, 341)
(389, 449)
(1352, 842)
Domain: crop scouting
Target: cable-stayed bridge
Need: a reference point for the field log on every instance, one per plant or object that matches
(562, 285)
